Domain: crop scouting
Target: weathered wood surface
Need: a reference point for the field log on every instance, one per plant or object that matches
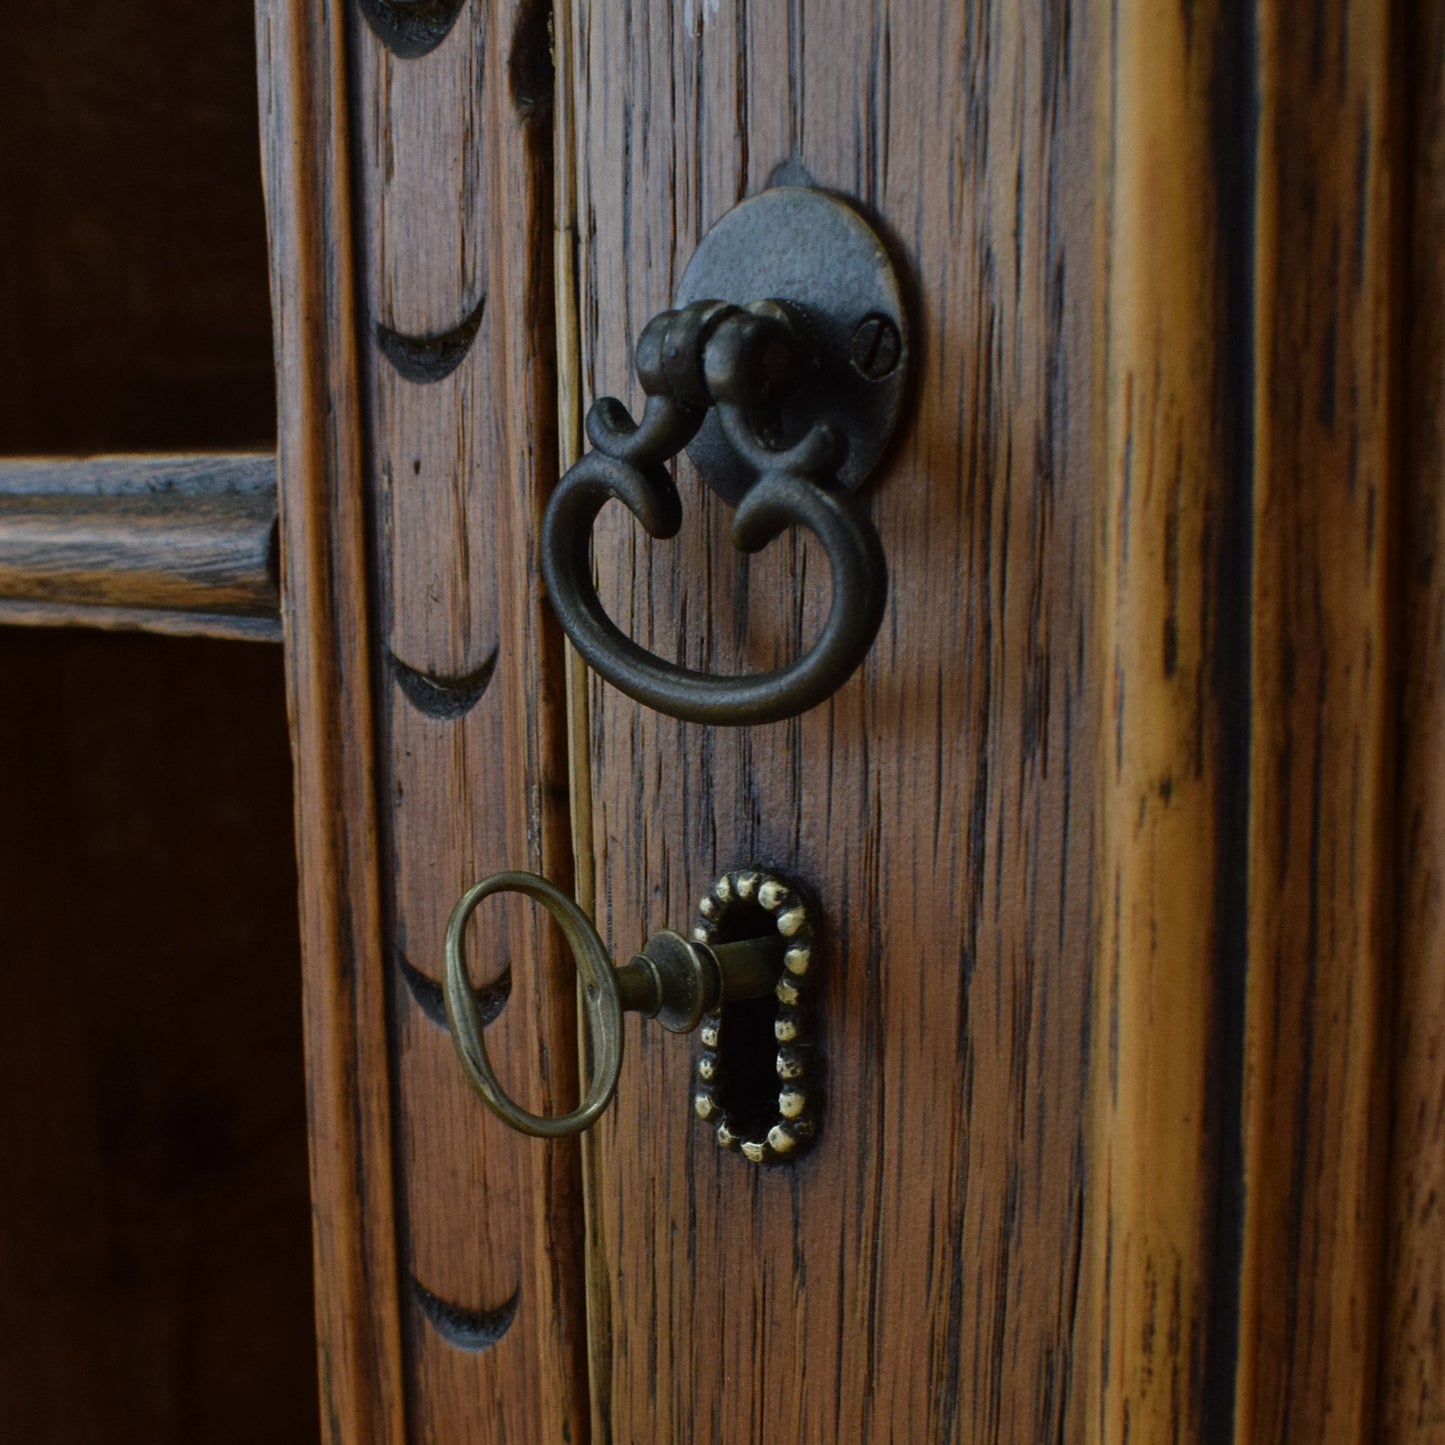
(180, 544)
(203, 554)
(1322, 739)
(453, 1309)
(918, 1277)
(1412, 1376)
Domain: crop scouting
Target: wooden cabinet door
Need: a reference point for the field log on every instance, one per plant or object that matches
(1110, 833)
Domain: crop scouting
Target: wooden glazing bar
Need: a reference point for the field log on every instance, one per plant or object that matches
(161, 543)
(409, 191)
(211, 554)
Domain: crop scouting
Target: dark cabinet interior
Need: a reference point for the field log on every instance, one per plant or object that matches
(155, 1259)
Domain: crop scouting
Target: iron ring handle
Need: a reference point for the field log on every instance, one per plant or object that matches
(739, 361)
(780, 499)
(602, 1007)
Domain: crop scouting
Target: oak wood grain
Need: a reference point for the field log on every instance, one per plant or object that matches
(1322, 754)
(1412, 1374)
(918, 1276)
(1102, 833)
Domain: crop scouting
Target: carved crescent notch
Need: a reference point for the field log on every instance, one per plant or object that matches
(425, 359)
(464, 1329)
(429, 997)
(443, 698)
(409, 28)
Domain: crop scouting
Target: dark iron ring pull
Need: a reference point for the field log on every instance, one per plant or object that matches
(786, 406)
(738, 360)
(734, 359)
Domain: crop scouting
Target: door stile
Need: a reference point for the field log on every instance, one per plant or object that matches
(1251, 463)
(449, 432)
(918, 1275)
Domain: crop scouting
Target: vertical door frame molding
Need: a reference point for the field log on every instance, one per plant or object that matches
(301, 53)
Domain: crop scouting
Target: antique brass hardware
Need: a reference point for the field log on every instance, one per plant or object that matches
(682, 983)
(781, 370)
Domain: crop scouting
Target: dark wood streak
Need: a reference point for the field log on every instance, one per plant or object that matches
(463, 1329)
(431, 999)
(430, 358)
(1412, 1375)
(443, 698)
(410, 28)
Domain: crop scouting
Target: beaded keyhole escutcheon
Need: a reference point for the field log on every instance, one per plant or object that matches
(756, 1078)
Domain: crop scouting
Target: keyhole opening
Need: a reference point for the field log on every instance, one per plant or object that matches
(747, 1046)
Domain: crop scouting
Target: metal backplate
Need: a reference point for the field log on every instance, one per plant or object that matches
(812, 250)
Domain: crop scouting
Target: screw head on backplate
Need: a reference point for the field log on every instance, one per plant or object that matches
(876, 347)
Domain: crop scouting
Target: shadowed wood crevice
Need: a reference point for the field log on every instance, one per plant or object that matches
(466, 1329)
(443, 698)
(430, 358)
(531, 71)
(430, 997)
(409, 28)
